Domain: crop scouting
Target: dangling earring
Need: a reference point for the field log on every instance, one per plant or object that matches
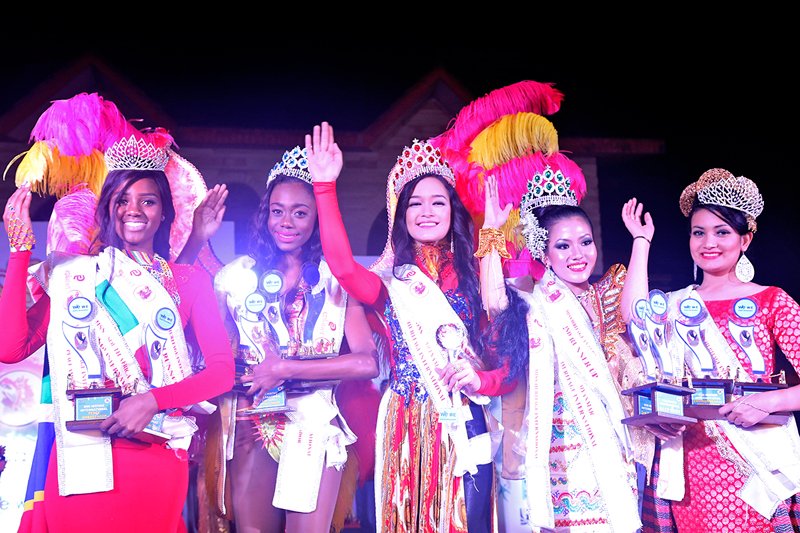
(452, 244)
(695, 270)
(745, 269)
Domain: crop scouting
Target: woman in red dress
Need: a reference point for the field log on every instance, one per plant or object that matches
(116, 320)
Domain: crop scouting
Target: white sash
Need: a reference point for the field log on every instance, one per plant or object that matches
(85, 457)
(564, 347)
(421, 307)
(310, 420)
(771, 453)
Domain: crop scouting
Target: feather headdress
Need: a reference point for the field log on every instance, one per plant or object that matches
(69, 140)
(506, 134)
(66, 160)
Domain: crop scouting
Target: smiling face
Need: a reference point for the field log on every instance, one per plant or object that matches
(428, 214)
(137, 214)
(292, 215)
(715, 246)
(571, 251)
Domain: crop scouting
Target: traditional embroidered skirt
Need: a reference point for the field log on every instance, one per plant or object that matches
(415, 489)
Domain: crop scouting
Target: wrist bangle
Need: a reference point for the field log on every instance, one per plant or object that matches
(20, 235)
(489, 238)
(642, 237)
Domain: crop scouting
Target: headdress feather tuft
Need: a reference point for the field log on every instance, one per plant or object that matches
(505, 134)
(69, 140)
(524, 96)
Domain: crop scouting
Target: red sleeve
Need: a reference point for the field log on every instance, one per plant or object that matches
(492, 382)
(199, 306)
(24, 331)
(361, 283)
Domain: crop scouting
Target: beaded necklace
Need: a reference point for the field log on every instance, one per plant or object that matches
(158, 267)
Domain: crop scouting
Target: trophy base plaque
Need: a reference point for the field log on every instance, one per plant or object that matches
(746, 389)
(306, 386)
(273, 402)
(709, 395)
(92, 406)
(657, 418)
(658, 403)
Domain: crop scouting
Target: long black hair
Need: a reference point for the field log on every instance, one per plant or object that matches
(262, 245)
(109, 195)
(508, 336)
(461, 235)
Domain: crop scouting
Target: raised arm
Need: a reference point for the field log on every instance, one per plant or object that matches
(641, 228)
(325, 165)
(24, 330)
(206, 221)
(491, 246)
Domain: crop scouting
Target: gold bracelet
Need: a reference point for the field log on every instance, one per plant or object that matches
(489, 238)
(20, 236)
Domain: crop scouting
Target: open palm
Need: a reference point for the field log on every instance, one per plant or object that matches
(324, 156)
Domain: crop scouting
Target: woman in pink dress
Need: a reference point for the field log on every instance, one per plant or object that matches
(732, 472)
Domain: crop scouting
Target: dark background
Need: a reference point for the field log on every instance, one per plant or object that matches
(719, 94)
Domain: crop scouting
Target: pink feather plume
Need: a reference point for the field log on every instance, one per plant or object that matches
(81, 124)
(524, 96)
(512, 179)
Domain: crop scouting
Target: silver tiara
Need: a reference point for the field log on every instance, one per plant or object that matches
(294, 163)
(549, 187)
(135, 154)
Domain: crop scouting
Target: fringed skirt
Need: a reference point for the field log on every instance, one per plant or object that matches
(415, 489)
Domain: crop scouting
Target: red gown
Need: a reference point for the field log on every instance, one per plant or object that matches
(150, 481)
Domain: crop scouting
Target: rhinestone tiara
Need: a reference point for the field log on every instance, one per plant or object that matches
(549, 187)
(720, 187)
(417, 160)
(130, 153)
(294, 163)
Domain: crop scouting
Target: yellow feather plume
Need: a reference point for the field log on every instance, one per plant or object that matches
(513, 136)
(50, 173)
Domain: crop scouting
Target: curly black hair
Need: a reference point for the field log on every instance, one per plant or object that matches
(262, 245)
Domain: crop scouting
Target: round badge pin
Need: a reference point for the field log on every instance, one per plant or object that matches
(640, 308)
(79, 308)
(658, 302)
(165, 318)
(745, 308)
(255, 302)
(310, 273)
(272, 283)
(690, 308)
